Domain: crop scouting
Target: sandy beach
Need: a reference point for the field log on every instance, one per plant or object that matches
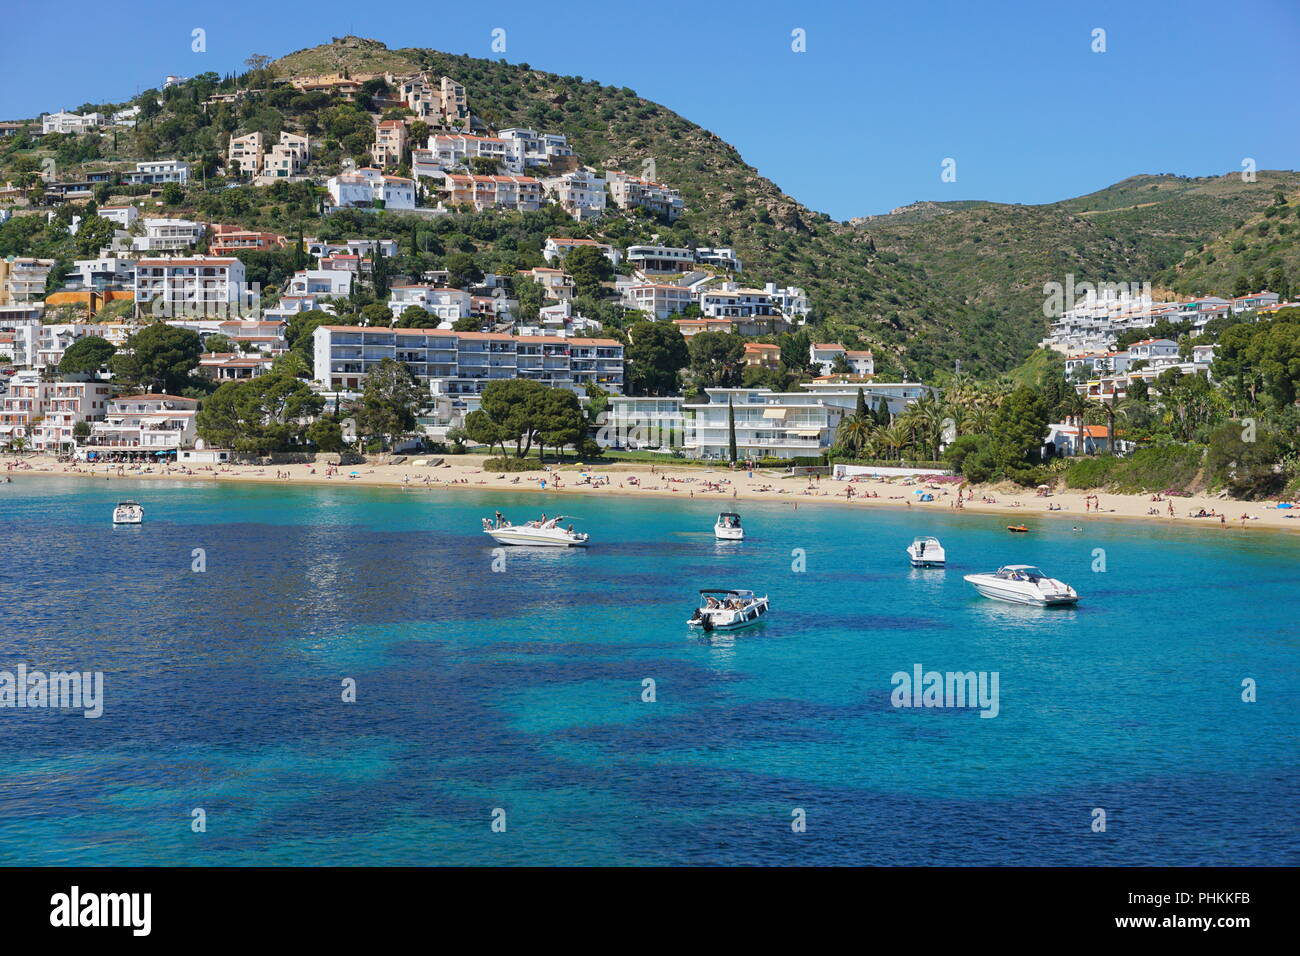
(720, 485)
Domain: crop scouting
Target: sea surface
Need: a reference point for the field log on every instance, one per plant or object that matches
(556, 710)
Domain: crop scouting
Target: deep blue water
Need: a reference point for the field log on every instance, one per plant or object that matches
(521, 689)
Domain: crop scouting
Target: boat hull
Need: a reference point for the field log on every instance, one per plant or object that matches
(995, 592)
(758, 612)
(522, 538)
(729, 534)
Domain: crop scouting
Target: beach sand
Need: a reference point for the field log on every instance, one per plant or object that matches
(720, 485)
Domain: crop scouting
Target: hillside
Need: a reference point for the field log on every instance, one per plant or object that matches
(996, 257)
(923, 286)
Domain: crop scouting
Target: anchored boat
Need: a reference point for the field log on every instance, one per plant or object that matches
(545, 532)
(1024, 584)
(926, 552)
(128, 512)
(724, 609)
(727, 527)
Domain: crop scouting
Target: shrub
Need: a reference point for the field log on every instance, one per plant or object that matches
(511, 464)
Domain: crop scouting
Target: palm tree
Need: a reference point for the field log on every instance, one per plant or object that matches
(1075, 405)
(927, 417)
(854, 433)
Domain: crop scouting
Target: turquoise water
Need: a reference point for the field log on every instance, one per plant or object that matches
(521, 689)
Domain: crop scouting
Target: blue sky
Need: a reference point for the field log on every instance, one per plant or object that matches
(884, 93)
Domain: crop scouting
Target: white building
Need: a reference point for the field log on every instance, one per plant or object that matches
(650, 260)
(557, 248)
(22, 279)
(370, 188)
(105, 271)
(159, 171)
(722, 258)
(171, 286)
(526, 148)
(66, 404)
(580, 193)
(147, 423)
(460, 364)
(320, 282)
(447, 305)
(823, 355)
(767, 424)
(124, 217)
(632, 191)
(657, 300)
(70, 122)
(168, 235)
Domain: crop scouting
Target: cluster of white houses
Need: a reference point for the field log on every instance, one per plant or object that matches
(1095, 322)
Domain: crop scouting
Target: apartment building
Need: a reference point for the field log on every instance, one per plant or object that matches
(390, 143)
(580, 193)
(66, 404)
(526, 148)
(199, 285)
(21, 407)
(657, 300)
(632, 191)
(1255, 302)
(148, 423)
(730, 301)
(286, 159)
(461, 364)
(651, 260)
(168, 235)
(448, 305)
(370, 188)
(451, 150)
(22, 279)
(523, 193)
(248, 156)
(767, 423)
(244, 154)
(635, 422)
(442, 103)
(157, 172)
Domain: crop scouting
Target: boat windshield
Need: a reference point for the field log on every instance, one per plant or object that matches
(728, 520)
(1022, 574)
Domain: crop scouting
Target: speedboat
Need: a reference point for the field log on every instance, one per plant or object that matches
(727, 527)
(545, 533)
(926, 552)
(1017, 529)
(128, 512)
(1024, 584)
(723, 609)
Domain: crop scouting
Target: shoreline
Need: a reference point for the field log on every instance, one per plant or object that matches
(635, 479)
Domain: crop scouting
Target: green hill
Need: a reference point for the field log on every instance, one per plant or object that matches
(923, 286)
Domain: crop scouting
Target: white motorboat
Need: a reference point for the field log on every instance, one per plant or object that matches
(727, 527)
(128, 512)
(724, 609)
(1024, 584)
(545, 532)
(926, 552)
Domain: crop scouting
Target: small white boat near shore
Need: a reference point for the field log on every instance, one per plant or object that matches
(543, 533)
(1024, 584)
(727, 527)
(128, 512)
(727, 609)
(926, 552)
